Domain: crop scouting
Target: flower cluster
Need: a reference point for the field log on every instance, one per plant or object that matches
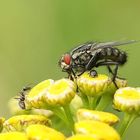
(73, 110)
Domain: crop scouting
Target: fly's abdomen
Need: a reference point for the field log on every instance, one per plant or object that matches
(113, 54)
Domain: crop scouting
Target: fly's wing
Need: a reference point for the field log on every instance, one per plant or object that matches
(83, 47)
(110, 44)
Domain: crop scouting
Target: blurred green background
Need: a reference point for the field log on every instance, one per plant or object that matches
(35, 33)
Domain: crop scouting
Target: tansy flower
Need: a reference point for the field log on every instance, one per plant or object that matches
(60, 93)
(15, 109)
(93, 86)
(127, 100)
(20, 122)
(98, 129)
(85, 114)
(13, 136)
(1, 123)
(44, 112)
(82, 137)
(41, 132)
(35, 97)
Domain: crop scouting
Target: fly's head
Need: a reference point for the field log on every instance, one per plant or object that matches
(65, 62)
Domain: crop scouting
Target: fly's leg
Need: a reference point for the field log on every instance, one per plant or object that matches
(108, 63)
(114, 76)
(110, 70)
(91, 64)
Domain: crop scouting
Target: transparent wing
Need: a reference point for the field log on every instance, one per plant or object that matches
(111, 44)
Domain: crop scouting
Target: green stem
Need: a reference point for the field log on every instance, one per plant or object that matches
(84, 99)
(127, 120)
(92, 102)
(59, 113)
(104, 102)
(69, 117)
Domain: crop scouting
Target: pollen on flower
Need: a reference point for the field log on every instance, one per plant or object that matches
(35, 96)
(127, 99)
(42, 132)
(13, 136)
(82, 137)
(93, 86)
(106, 117)
(61, 92)
(98, 130)
(20, 122)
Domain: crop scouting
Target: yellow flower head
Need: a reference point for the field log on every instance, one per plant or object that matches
(35, 96)
(15, 109)
(93, 86)
(61, 92)
(98, 129)
(1, 123)
(82, 137)
(120, 83)
(20, 122)
(13, 136)
(85, 114)
(44, 112)
(127, 99)
(41, 132)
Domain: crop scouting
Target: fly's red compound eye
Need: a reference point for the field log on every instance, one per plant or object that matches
(67, 59)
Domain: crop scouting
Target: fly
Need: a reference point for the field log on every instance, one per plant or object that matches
(94, 54)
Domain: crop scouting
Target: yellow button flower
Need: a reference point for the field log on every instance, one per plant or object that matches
(98, 129)
(1, 123)
(41, 132)
(93, 86)
(15, 109)
(85, 114)
(61, 92)
(44, 112)
(35, 96)
(127, 99)
(20, 122)
(13, 136)
(82, 137)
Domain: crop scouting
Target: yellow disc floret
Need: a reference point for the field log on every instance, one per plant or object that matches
(85, 114)
(13, 136)
(127, 99)
(35, 96)
(98, 129)
(61, 92)
(20, 122)
(93, 86)
(82, 137)
(41, 132)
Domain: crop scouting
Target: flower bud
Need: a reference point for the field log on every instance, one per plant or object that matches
(41, 132)
(35, 97)
(20, 122)
(85, 114)
(98, 129)
(60, 93)
(13, 136)
(82, 137)
(127, 100)
(93, 86)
